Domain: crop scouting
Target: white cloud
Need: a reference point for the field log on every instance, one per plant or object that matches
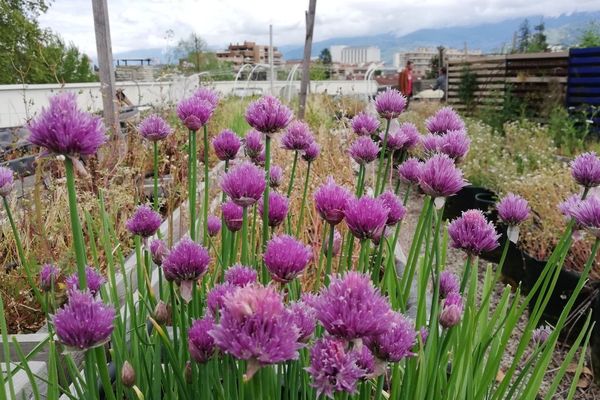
(137, 24)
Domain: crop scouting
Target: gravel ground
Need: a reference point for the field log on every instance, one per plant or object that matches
(455, 262)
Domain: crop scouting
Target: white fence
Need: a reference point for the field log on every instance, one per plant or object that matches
(18, 103)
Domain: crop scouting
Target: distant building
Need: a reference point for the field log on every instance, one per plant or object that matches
(249, 53)
(421, 58)
(355, 55)
(134, 69)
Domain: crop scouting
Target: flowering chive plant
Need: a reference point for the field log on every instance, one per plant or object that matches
(256, 314)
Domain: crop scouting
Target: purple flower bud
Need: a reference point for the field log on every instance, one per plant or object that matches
(331, 201)
(297, 136)
(233, 215)
(200, 344)
(253, 144)
(278, 208)
(94, 281)
(127, 375)
(244, 184)
(396, 342)
(540, 335)
(275, 176)
(410, 170)
(194, 112)
(396, 211)
(424, 332)
(154, 128)
(444, 120)
(268, 115)
(455, 144)
(366, 217)
(48, 276)
(411, 135)
(226, 145)
(213, 225)
(337, 244)
(396, 140)
(448, 284)
(185, 264)
(158, 250)
(144, 222)
(208, 95)
(452, 310)
(312, 152)
(585, 169)
(6, 181)
(587, 214)
(215, 298)
(364, 360)
(84, 323)
(472, 233)
(364, 150)
(513, 209)
(286, 258)
(390, 104)
(239, 275)
(351, 307)
(439, 177)
(333, 368)
(364, 124)
(568, 206)
(64, 129)
(303, 317)
(162, 313)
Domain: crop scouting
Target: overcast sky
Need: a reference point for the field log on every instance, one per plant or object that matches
(138, 24)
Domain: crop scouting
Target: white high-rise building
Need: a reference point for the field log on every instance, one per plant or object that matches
(355, 55)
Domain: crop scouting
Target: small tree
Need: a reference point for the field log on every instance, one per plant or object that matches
(538, 41)
(434, 67)
(523, 37)
(590, 35)
(467, 87)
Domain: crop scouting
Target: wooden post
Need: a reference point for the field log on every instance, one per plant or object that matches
(310, 24)
(105, 64)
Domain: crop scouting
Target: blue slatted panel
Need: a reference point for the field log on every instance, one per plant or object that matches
(583, 82)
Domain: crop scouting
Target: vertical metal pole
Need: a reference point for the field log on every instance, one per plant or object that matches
(272, 68)
(105, 64)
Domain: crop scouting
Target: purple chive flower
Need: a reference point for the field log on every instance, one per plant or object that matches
(333, 368)
(540, 335)
(213, 225)
(396, 211)
(448, 284)
(208, 95)
(395, 141)
(259, 160)
(351, 307)
(513, 209)
(255, 326)
(439, 177)
(194, 112)
(585, 169)
(64, 129)
(396, 342)
(568, 206)
(144, 222)
(431, 143)
(200, 344)
(297, 136)
(364, 124)
(587, 214)
(48, 276)
(158, 251)
(6, 181)
(303, 317)
(472, 233)
(444, 120)
(278, 208)
(410, 170)
(232, 214)
(364, 360)
(312, 152)
(364, 150)
(411, 135)
(154, 128)
(452, 310)
(94, 280)
(268, 115)
(240, 275)
(275, 176)
(424, 333)
(215, 298)
(331, 201)
(337, 244)
(185, 264)
(244, 184)
(390, 104)
(366, 217)
(286, 257)
(84, 323)
(455, 144)
(253, 144)
(226, 145)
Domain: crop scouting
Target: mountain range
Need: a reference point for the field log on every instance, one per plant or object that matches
(489, 37)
